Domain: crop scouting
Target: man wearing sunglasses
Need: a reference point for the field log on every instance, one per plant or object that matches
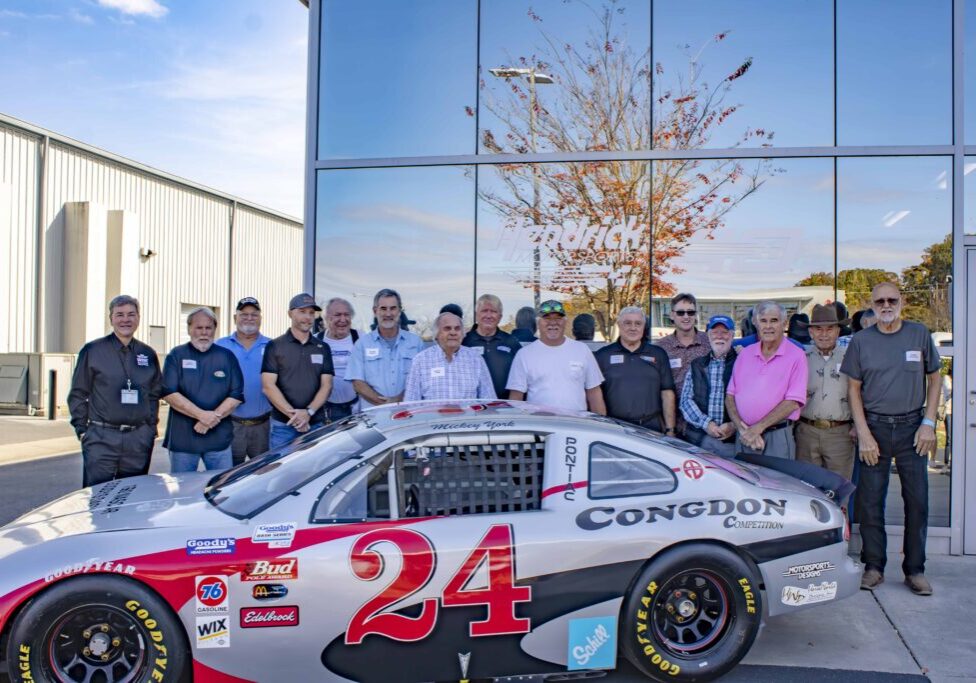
(894, 386)
(687, 342)
(556, 371)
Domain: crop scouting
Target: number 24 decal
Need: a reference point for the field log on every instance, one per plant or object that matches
(417, 568)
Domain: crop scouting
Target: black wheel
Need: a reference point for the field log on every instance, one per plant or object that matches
(693, 613)
(97, 629)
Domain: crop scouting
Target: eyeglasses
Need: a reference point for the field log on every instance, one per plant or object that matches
(686, 313)
(883, 301)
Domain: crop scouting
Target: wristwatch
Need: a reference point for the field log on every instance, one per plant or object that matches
(311, 411)
(669, 430)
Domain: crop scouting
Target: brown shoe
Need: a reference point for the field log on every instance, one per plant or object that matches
(871, 579)
(917, 583)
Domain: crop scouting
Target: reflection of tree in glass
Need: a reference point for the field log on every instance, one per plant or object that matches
(598, 221)
(926, 286)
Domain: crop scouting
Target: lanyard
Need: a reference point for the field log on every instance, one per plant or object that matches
(123, 353)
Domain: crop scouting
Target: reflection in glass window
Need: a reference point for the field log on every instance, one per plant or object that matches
(770, 236)
(894, 72)
(894, 222)
(589, 225)
(969, 68)
(749, 72)
(969, 195)
(615, 473)
(564, 75)
(410, 229)
(397, 78)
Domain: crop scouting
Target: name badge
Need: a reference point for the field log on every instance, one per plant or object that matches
(142, 360)
(675, 363)
(648, 359)
(317, 358)
(838, 369)
(219, 373)
(189, 364)
(480, 350)
(436, 372)
(372, 352)
(616, 359)
(505, 349)
(913, 356)
(130, 396)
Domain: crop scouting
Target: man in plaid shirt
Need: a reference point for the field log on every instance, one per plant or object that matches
(703, 394)
(447, 370)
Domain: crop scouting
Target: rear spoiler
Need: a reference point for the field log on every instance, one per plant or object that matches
(832, 485)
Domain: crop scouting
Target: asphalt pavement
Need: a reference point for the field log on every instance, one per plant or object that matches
(889, 635)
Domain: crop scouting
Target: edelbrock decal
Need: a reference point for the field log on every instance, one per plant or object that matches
(595, 518)
(211, 546)
(592, 643)
(267, 617)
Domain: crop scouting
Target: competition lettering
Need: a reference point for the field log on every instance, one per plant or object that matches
(570, 492)
(93, 564)
(595, 518)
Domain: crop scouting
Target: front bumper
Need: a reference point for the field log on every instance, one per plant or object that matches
(811, 578)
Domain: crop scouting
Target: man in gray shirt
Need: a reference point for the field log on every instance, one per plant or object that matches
(894, 374)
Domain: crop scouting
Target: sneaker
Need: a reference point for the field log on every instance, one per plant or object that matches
(871, 579)
(917, 583)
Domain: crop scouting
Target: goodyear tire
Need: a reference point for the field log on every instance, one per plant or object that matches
(692, 614)
(97, 628)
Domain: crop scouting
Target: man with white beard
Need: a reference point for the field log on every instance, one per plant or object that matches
(251, 418)
(203, 384)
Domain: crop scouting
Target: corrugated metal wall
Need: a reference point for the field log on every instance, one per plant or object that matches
(18, 234)
(187, 228)
(267, 265)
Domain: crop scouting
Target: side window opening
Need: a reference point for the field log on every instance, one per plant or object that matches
(616, 473)
(469, 474)
(360, 494)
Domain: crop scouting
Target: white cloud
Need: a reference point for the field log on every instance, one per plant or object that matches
(411, 215)
(80, 18)
(149, 8)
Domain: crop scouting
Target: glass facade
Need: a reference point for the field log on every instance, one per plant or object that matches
(615, 152)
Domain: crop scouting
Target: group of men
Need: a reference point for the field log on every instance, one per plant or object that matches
(239, 396)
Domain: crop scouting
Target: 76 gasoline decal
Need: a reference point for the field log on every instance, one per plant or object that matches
(211, 595)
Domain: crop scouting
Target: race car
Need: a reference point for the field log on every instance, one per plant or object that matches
(422, 542)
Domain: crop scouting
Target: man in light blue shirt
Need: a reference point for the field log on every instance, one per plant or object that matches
(251, 417)
(380, 361)
(447, 370)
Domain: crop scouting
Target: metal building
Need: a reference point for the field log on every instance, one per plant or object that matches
(79, 225)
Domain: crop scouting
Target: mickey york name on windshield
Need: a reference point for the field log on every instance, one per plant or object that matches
(595, 518)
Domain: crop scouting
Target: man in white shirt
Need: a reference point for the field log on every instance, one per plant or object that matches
(556, 371)
(341, 338)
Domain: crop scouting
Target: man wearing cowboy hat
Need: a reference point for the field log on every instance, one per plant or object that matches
(824, 433)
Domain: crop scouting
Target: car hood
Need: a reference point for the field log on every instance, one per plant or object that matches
(151, 501)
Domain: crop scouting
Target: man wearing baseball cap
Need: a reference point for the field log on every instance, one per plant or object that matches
(250, 419)
(296, 375)
(824, 434)
(703, 393)
(556, 371)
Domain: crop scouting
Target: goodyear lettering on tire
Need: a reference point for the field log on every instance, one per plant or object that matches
(23, 664)
(157, 637)
(643, 616)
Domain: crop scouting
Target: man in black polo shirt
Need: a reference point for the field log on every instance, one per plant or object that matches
(203, 384)
(297, 375)
(496, 346)
(638, 386)
(114, 399)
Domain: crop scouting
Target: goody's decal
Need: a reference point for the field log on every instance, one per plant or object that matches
(211, 546)
(592, 643)
(269, 591)
(278, 535)
(212, 595)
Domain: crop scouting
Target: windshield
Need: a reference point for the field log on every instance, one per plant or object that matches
(253, 486)
(733, 467)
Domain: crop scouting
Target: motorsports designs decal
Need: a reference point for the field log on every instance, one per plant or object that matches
(595, 518)
(808, 571)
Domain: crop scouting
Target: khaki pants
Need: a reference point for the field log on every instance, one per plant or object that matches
(829, 448)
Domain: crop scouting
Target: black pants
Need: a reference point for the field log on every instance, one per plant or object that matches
(250, 441)
(337, 411)
(110, 454)
(894, 442)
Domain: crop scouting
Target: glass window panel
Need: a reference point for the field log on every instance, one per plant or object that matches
(765, 231)
(591, 85)
(969, 195)
(615, 473)
(587, 222)
(771, 61)
(397, 78)
(894, 72)
(969, 67)
(894, 222)
(410, 229)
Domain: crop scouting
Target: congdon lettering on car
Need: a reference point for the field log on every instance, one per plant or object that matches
(595, 518)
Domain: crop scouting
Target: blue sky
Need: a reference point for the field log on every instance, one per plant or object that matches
(210, 90)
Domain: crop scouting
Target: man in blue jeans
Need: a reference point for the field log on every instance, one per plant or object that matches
(296, 375)
(202, 383)
(894, 376)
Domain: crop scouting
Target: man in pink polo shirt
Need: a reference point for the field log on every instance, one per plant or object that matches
(768, 387)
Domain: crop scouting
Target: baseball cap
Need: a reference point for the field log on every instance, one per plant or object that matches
(551, 306)
(248, 301)
(303, 300)
(721, 320)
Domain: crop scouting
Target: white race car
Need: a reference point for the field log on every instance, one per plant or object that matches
(422, 542)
